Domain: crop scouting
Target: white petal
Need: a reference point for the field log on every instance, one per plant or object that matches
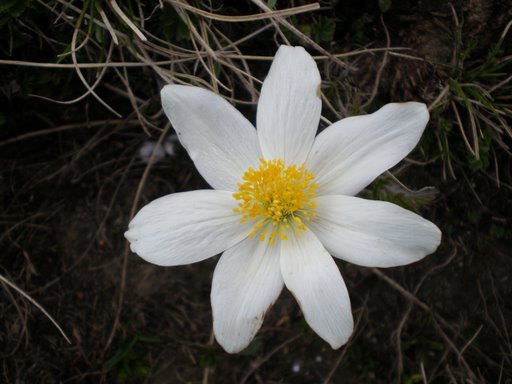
(372, 233)
(311, 274)
(289, 107)
(350, 154)
(186, 227)
(222, 143)
(246, 281)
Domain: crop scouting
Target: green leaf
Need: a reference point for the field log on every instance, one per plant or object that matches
(10, 9)
(323, 30)
(98, 33)
(384, 5)
(173, 27)
(386, 190)
(271, 3)
(13, 7)
(207, 359)
(414, 378)
(122, 354)
(305, 29)
(64, 54)
(142, 370)
(254, 348)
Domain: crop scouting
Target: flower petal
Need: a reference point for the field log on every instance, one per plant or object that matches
(372, 233)
(187, 227)
(289, 107)
(246, 281)
(222, 143)
(350, 154)
(311, 274)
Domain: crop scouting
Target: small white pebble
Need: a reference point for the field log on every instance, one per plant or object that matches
(146, 151)
(296, 367)
(170, 144)
(318, 359)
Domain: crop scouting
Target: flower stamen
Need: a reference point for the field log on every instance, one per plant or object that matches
(277, 194)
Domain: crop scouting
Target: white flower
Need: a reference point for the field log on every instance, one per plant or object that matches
(283, 201)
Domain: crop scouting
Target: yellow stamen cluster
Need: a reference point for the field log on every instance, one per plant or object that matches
(277, 194)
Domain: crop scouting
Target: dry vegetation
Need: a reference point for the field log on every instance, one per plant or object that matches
(79, 84)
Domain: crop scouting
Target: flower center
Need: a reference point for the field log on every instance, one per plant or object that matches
(277, 198)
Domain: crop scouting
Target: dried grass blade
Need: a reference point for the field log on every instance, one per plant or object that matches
(237, 19)
(36, 304)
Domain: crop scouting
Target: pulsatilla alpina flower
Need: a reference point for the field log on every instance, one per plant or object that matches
(283, 201)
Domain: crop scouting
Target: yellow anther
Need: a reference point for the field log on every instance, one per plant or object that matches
(277, 194)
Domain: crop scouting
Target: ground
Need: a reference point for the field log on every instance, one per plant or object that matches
(71, 177)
